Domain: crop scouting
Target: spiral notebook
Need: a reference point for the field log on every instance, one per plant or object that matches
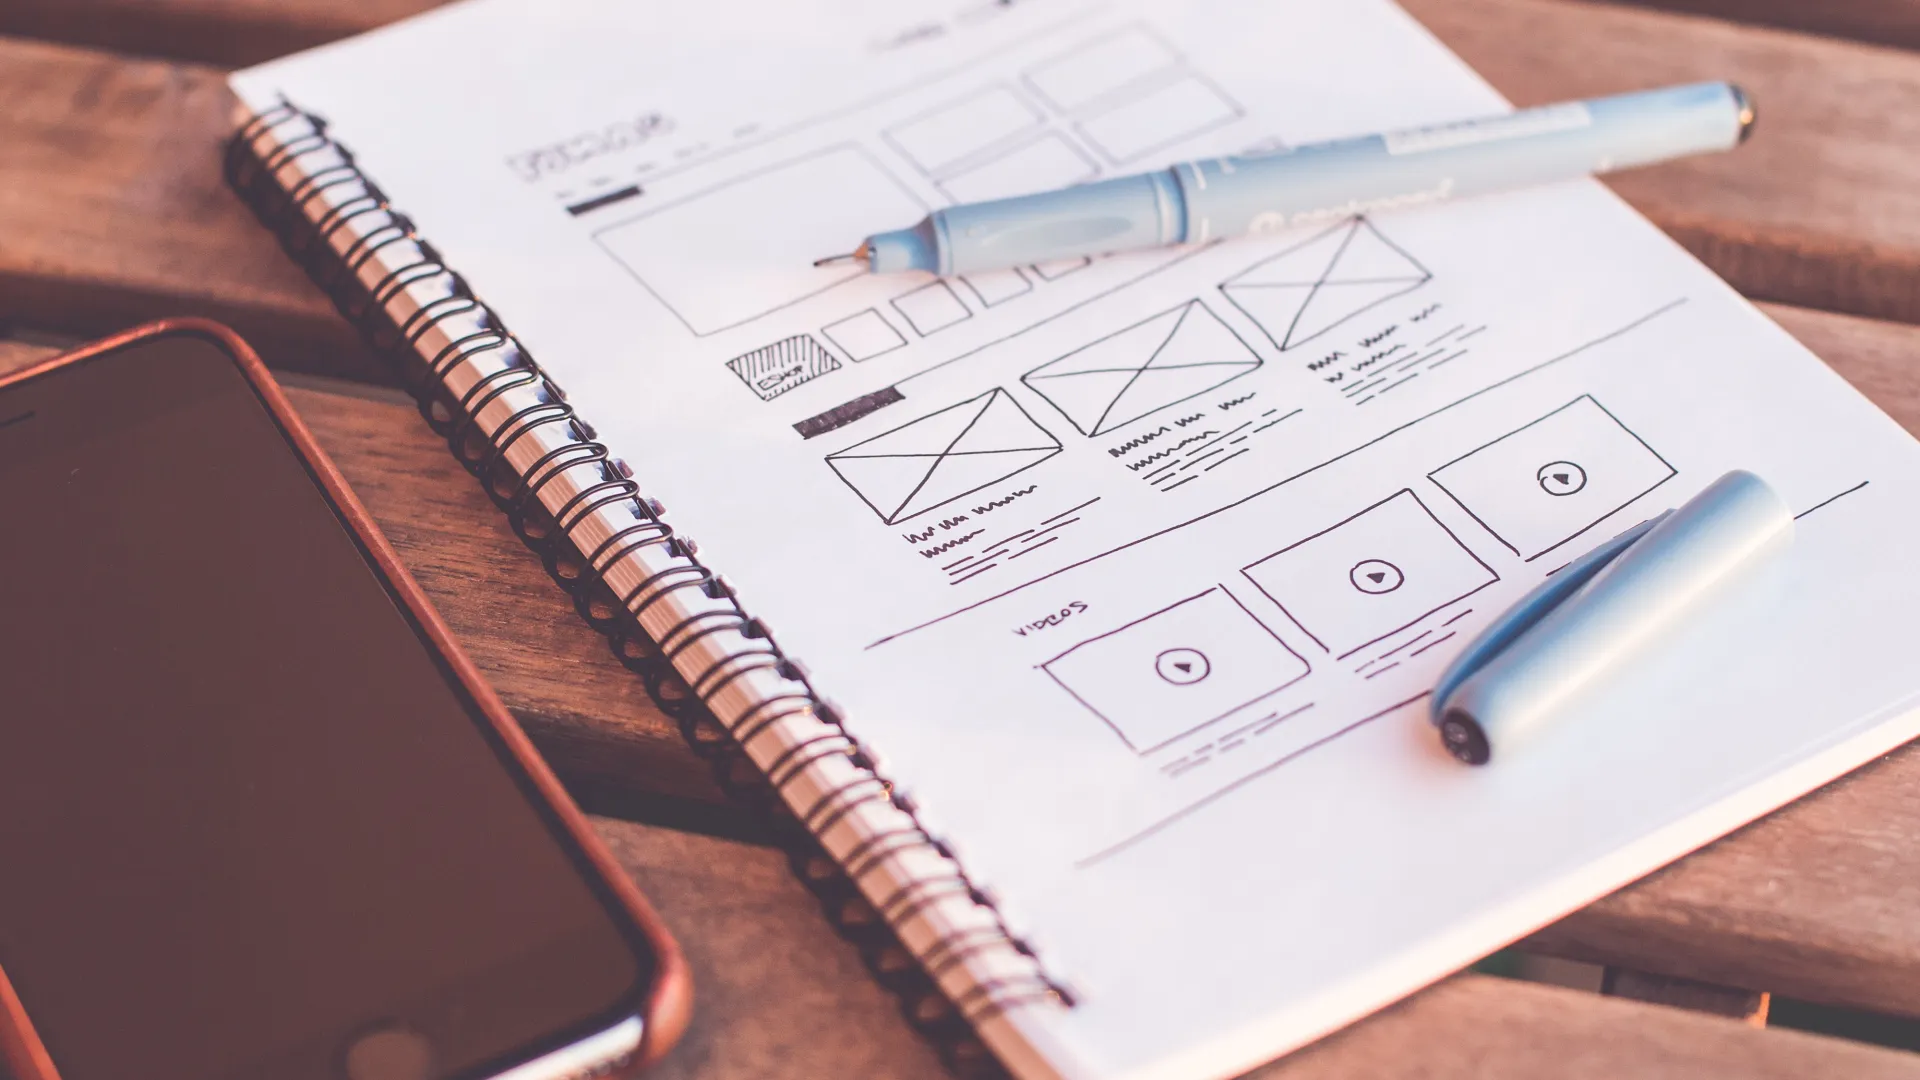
(1078, 619)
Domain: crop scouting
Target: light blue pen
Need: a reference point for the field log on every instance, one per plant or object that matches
(1201, 200)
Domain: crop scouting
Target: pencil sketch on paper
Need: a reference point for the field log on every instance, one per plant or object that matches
(1314, 286)
(1168, 674)
(744, 247)
(1175, 355)
(943, 456)
(777, 368)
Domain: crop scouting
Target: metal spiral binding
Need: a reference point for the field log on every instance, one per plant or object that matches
(252, 170)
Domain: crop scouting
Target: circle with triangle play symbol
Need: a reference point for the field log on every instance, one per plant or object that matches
(1183, 667)
(1376, 576)
(1561, 478)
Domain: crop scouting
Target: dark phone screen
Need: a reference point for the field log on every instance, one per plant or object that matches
(244, 814)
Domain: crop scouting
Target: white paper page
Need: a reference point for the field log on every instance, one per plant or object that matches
(1136, 572)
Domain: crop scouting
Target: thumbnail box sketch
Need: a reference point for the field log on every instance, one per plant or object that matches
(864, 336)
(1177, 670)
(1164, 360)
(1159, 118)
(931, 307)
(777, 368)
(948, 134)
(1101, 67)
(943, 456)
(1539, 487)
(1041, 164)
(1318, 284)
(1372, 575)
(745, 247)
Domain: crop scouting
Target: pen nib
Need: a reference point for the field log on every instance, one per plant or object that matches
(860, 254)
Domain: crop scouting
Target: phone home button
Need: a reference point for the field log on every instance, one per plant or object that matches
(392, 1053)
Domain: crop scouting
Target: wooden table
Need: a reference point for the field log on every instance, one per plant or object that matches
(112, 212)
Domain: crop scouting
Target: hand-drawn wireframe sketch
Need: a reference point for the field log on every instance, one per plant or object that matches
(950, 133)
(1173, 356)
(993, 553)
(783, 365)
(745, 247)
(864, 336)
(1040, 164)
(944, 456)
(1177, 670)
(1158, 118)
(931, 307)
(1102, 66)
(1539, 487)
(1372, 575)
(1059, 268)
(993, 287)
(1318, 284)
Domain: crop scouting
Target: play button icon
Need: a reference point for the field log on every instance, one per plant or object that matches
(1561, 478)
(1376, 576)
(1182, 667)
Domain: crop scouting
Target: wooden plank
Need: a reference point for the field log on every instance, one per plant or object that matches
(1818, 210)
(1815, 901)
(112, 210)
(111, 207)
(1746, 1006)
(776, 994)
(229, 32)
(779, 995)
(1884, 22)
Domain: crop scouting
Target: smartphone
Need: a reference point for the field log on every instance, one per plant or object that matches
(259, 815)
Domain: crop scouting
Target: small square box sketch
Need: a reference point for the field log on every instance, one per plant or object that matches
(1547, 483)
(745, 247)
(1376, 573)
(931, 308)
(1177, 670)
(864, 336)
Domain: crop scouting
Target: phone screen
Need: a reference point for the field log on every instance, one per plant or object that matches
(246, 815)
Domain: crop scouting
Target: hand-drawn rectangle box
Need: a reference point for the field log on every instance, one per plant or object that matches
(1059, 268)
(948, 134)
(1539, 487)
(783, 365)
(1096, 68)
(1378, 572)
(931, 307)
(864, 336)
(1158, 119)
(997, 286)
(1177, 670)
(745, 246)
(1040, 165)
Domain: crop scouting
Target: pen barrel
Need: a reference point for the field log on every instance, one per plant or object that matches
(1670, 574)
(1236, 195)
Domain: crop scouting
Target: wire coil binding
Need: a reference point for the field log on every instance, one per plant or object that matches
(334, 200)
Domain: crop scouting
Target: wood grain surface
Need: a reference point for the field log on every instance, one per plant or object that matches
(231, 32)
(778, 995)
(1884, 22)
(112, 210)
(1819, 209)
